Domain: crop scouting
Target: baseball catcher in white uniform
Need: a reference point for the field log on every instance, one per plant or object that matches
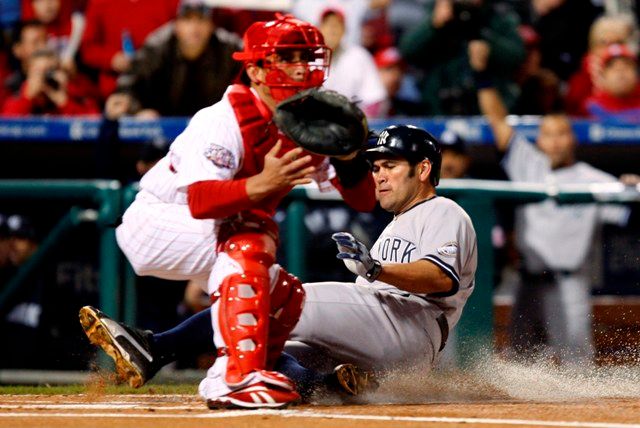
(204, 213)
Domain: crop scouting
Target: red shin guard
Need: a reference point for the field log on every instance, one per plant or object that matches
(243, 314)
(287, 300)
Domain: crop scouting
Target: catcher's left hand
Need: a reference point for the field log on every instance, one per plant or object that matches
(356, 256)
(323, 122)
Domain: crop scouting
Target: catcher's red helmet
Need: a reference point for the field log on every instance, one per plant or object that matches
(284, 43)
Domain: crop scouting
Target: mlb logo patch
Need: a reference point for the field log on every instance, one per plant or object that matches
(220, 156)
(450, 249)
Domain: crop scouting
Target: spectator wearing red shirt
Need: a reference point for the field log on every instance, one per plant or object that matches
(619, 94)
(5, 71)
(48, 90)
(64, 22)
(605, 31)
(114, 29)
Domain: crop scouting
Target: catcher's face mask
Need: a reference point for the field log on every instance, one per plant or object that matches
(291, 51)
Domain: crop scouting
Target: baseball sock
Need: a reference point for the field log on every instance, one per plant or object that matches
(306, 380)
(194, 336)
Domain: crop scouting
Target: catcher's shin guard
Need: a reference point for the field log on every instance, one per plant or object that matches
(244, 303)
(287, 300)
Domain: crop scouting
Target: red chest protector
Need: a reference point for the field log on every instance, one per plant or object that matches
(259, 133)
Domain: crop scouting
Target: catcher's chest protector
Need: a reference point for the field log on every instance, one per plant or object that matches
(259, 133)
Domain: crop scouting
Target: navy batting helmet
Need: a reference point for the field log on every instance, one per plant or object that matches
(411, 143)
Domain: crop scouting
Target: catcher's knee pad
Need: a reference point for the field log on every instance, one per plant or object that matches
(287, 300)
(244, 305)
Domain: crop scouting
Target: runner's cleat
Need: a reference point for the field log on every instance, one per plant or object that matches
(129, 347)
(350, 379)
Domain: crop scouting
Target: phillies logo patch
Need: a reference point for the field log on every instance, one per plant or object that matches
(220, 156)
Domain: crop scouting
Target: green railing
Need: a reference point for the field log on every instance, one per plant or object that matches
(475, 330)
(104, 197)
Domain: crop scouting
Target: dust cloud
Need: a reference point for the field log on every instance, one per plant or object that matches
(495, 378)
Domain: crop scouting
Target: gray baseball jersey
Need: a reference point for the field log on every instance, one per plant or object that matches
(557, 238)
(377, 324)
(549, 235)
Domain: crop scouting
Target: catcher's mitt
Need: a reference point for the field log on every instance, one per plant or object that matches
(322, 122)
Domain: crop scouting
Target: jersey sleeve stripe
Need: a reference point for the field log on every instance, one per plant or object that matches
(449, 271)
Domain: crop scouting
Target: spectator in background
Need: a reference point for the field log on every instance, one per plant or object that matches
(109, 162)
(115, 29)
(562, 26)
(556, 242)
(455, 159)
(354, 14)
(22, 239)
(150, 153)
(441, 46)
(353, 72)
(184, 66)
(65, 26)
(237, 21)
(618, 96)
(48, 89)
(376, 33)
(28, 37)
(21, 316)
(403, 96)
(5, 70)
(109, 145)
(605, 31)
(539, 87)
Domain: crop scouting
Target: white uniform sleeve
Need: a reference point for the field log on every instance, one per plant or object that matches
(615, 214)
(209, 149)
(447, 243)
(524, 162)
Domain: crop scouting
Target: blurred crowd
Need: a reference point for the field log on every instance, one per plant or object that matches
(163, 58)
(155, 58)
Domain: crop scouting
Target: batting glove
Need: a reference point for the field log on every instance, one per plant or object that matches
(356, 256)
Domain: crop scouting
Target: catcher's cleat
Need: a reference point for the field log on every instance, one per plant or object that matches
(256, 396)
(350, 379)
(129, 347)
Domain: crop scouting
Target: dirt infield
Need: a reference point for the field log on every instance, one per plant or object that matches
(495, 393)
(177, 411)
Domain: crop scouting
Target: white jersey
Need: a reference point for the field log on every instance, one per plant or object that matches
(158, 234)
(365, 86)
(210, 148)
(549, 235)
(449, 242)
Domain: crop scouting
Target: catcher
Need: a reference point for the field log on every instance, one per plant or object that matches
(204, 212)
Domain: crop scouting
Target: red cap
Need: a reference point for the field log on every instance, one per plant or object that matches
(388, 57)
(332, 10)
(617, 51)
(528, 35)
